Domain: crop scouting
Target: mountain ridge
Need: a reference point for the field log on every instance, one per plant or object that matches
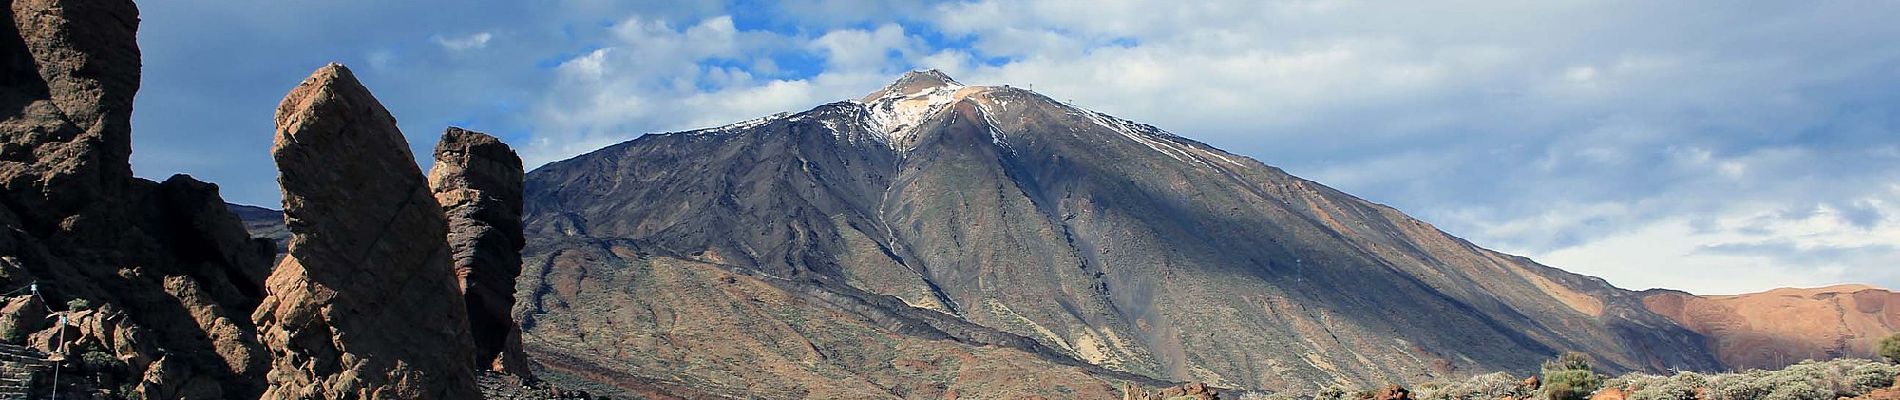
(938, 193)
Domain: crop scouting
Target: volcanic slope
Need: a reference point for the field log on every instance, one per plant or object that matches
(1101, 239)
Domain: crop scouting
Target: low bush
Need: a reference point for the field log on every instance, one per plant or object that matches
(1491, 386)
(1570, 377)
(1890, 348)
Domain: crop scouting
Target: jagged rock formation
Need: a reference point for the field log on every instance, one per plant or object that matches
(157, 279)
(1108, 241)
(1780, 327)
(477, 180)
(365, 304)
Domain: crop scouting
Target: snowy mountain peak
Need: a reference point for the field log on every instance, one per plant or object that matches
(896, 110)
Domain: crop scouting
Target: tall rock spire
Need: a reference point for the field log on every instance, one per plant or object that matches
(477, 180)
(365, 305)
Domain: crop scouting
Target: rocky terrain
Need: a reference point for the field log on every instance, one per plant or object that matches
(155, 290)
(1104, 240)
(1779, 327)
(929, 240)
(155, 280)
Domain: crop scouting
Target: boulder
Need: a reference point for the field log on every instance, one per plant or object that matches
(365, 305)
(1392, 392)
(478, 181)
(1609, 394)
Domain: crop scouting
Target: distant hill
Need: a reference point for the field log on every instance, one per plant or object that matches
(1783, 326)
(263, 223)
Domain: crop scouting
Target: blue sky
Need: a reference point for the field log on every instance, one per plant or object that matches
(1718, 147)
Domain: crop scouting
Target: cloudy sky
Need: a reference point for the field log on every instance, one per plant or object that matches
(1717, 147)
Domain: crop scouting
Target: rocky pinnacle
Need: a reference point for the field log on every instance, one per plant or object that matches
(365, 305)
(477, 180)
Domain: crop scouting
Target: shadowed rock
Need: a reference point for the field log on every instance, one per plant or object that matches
(477, 180)
(365, 305)
(159, 275)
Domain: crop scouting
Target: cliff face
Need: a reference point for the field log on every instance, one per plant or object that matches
(156, 275)
(1108, 241)
(1774, 329)
(477, 180)
(365, 305)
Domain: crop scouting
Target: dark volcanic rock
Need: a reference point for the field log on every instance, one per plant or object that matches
(477, 180)
(365, 304)
(155, 275)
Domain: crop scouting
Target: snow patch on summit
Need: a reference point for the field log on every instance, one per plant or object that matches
(896, 115)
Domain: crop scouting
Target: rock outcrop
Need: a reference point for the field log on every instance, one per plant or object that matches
(365, 304)
(156, 280)
(1392, 392)
(477, 180)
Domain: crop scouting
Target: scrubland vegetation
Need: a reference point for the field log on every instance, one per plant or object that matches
(1571, 377)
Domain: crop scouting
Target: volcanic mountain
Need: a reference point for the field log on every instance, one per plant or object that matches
(866, 241)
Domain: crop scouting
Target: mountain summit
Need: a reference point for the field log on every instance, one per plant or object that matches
(913, 83)
(987, 213)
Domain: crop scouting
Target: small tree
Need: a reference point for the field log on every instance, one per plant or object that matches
(1890, 348)
(1570, 377)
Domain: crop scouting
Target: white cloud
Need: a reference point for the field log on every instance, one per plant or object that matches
(474, 41)
(1750, 248)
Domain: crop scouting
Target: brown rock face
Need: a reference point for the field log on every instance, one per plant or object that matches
(365, 305)
(1780, 327)
(477, 180)
(158, 276)
(71, 70)
(1609, 394)
(1392, 392)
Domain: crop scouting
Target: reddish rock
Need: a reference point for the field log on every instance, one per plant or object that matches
(1892, 393)
(1772, 329)
(477, 179)
(1608, 394)
(1392, 392)
(365, 304)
